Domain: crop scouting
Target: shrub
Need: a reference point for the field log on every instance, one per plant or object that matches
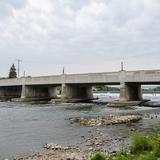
(123, 157)
(149, 156)
(142, 148)
(99, 156)
(156, 152)
(140, 143)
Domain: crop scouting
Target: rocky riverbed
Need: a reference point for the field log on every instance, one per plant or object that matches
(61, 153)
(108, 120)
(94, 142)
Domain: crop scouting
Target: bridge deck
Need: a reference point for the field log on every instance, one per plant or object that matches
(142, 77)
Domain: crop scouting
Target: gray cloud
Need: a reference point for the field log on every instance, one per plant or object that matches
(7, 6)
(15, 3)
(92, 34)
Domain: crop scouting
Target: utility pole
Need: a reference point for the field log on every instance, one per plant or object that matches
(122, 67)
(63, 71)
(24, 74)
(18, 61)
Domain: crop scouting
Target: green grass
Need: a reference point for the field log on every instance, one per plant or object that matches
(142, 148)
(140, 143)
(99, 156)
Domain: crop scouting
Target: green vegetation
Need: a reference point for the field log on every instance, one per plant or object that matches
(12, 72)
(98, 156)
(142, 148)
(151, 90)
(105, 88)
(140, 143)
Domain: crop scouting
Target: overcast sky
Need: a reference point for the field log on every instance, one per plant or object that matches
(82, 35)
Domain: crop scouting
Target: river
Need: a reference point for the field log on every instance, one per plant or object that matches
(26, 127)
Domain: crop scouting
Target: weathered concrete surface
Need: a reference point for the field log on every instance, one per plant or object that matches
(34, 93)
(10, 92)
(141, 77)
(77, 92)
(79, 86)
(130, 92)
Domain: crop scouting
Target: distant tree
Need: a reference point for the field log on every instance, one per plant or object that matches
(12, 72)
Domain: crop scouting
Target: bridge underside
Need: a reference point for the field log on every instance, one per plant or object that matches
(76, 92)
(10, 92)
(38, 92)
(80, 92)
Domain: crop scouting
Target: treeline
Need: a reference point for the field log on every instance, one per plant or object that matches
(105, 88)
(151, 90)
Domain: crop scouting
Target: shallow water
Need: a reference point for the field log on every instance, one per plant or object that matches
(24, 127)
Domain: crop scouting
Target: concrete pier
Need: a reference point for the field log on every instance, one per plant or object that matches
(130, 92)
(29, 93)
(75, 93)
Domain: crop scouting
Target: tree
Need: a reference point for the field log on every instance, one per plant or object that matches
(12, 72)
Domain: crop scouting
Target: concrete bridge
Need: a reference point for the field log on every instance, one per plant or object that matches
(78, 86)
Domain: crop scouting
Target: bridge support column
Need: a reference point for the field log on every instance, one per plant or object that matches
(52, 91)
(23, 92)
(130, 95)
(76, 93)
(2, 91)
(130, 92)
(34, 93)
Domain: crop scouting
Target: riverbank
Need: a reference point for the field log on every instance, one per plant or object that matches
(142, 147)
(95, 142)
(61, 153)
